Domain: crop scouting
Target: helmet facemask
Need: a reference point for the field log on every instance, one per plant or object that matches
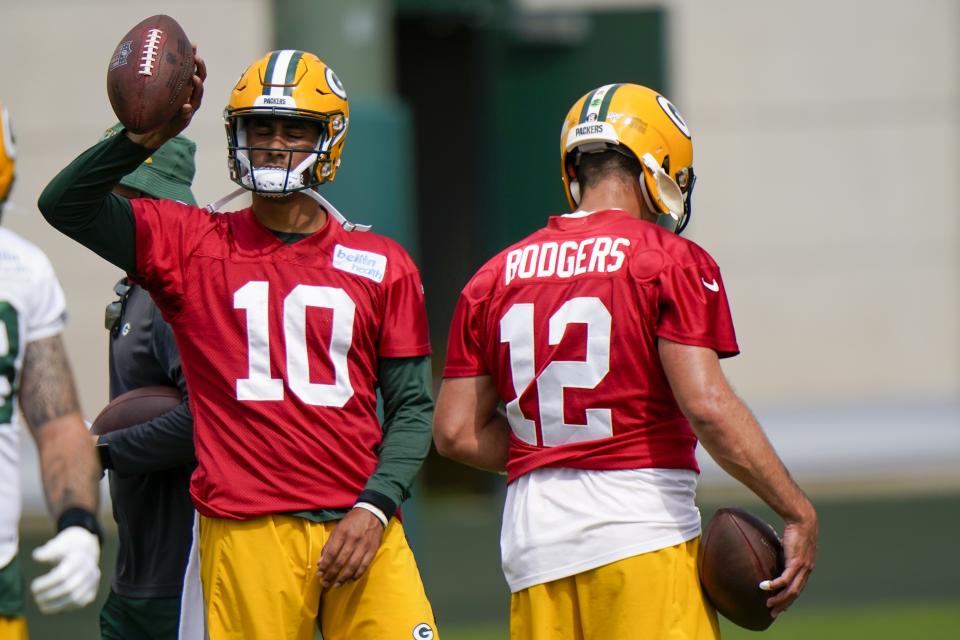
(280, 181)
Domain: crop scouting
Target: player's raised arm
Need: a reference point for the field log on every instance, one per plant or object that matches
(79, 202)
(734, 438)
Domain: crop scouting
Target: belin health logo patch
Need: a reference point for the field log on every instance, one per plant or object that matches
(362, 263)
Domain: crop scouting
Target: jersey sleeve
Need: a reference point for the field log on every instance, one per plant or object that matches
(694, 308)
(465, 342)
(404, 332)
(165, 238)
(48, 309)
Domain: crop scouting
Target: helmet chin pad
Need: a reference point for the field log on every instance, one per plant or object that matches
(273, 181)
(661, 193)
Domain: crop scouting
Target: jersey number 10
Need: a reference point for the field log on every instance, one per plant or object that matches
(259, 383)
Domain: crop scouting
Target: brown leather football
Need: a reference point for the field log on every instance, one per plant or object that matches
(737, 552)
(149, 76)
(135, 407)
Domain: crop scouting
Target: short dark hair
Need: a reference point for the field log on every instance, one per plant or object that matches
(594, 167)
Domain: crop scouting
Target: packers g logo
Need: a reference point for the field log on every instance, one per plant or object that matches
(335, 85)
(674, 115)
(423, 631)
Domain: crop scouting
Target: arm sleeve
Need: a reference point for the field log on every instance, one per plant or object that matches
(694, 309)
(48, 308)
(405, 384)
(404, 332)
(464, 344)
(78, 201)
(167, 440)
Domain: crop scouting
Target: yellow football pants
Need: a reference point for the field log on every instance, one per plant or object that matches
(260, 583)
(652, 596)
(13, 628)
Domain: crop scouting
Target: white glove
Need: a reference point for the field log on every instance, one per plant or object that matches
(73, 581)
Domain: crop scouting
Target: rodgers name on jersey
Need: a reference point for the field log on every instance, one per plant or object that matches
(565, 259)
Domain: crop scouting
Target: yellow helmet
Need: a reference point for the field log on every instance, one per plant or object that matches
(287, 84)
(8, 155)
(641, 123)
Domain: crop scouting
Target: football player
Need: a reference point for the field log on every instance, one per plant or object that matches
(35, 380)
(149, 464)
(288, 319)
(601, 333)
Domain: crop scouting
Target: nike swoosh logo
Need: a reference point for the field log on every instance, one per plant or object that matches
(713, 286)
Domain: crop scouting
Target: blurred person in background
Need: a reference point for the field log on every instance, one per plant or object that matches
(35, 380)
(149, 464)
(289, 319)
(602, 334)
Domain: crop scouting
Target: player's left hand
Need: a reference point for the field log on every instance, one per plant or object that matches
(351, 547)
(73, 581)
(800, 551)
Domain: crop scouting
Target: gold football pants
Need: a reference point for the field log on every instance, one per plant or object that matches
(13, 628)
(652, 596)
(260, 583)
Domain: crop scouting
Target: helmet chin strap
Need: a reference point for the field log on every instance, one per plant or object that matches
(332, 210)
(215, 206)
(323, 202)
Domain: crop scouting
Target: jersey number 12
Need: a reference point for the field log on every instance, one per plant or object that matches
(517, 330)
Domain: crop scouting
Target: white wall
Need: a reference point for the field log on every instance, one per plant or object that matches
(54, 85)
(827, 144)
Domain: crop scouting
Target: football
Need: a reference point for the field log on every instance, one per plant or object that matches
(149, 75)
(737, 552)
(135, 407)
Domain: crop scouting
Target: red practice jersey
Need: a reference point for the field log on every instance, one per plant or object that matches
(567, 320)
(280, 347)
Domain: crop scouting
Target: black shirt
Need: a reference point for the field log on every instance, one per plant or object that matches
(152, 462)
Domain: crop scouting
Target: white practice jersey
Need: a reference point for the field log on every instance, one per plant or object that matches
(32, 307)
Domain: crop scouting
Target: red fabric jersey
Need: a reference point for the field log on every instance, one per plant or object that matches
(280, 346)
(567, 320)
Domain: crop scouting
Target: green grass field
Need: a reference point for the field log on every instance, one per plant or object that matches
(890, 622)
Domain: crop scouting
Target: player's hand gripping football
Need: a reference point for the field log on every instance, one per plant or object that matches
(73, 581)
(155, 139)
(800, 551)
(350, 549)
